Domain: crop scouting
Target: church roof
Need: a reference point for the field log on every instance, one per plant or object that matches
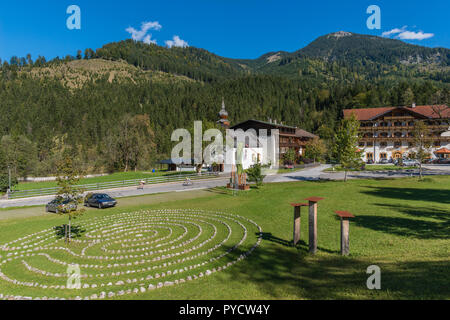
(223, 112)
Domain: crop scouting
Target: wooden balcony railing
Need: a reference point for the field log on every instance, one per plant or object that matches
(443, 127)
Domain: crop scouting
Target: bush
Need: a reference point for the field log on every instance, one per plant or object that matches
(254, 174)
(88, 196)
(4, 182)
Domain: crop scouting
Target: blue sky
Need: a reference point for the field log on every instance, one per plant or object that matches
(231, 28)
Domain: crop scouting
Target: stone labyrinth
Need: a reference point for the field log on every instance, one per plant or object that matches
(127, 253)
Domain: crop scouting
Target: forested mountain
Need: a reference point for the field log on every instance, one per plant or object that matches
(115, 108)
(345, 55)
(352, 47)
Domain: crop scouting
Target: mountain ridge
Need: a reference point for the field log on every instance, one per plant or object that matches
(332, 56)
(81, 105)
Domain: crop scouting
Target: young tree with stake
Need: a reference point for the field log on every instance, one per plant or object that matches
(421, 143)
(345, 147)
(67, 179)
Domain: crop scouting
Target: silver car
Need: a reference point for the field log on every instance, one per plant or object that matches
(410, 163)
(61, 206)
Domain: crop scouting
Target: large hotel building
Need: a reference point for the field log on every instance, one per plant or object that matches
(387, 133)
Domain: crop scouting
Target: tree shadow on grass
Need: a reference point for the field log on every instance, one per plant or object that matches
(301, 245)
(419, 212)
(269, 237)
(406, 227)
(281, 272)
(433, 195)
(75, 231)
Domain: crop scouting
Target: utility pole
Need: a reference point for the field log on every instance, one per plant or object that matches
(9, 177)
(9, 181)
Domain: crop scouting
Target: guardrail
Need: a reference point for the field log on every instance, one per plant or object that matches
(112, 184)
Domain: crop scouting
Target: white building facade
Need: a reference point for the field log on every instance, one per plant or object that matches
(388, 133)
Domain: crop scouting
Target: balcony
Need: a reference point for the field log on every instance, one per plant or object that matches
(399, 118)
(407, 139)
(443, 127)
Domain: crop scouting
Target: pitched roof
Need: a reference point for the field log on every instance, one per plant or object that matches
(298, 132)
(270, 124)
(304, 133)
(443, 151)
(437, 111)
(429, 111)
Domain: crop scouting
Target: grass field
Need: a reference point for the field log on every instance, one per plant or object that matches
(372, 167)
(402, 225)
(118, 176)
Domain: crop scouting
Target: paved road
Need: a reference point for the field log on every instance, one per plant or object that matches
(309, 174)
(302, 175)
(439, 167)
(318, 173)
(125, 192)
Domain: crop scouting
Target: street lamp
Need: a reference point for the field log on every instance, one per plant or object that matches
(9, 177)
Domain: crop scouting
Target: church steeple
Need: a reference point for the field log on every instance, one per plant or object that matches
(223, 115)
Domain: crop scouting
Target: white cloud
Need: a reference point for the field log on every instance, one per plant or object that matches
(404, 34)
(177, 42)
(411, 35)
(148, 39)
(393, 31)
(141, 35)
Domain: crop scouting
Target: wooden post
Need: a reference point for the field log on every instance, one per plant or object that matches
(297, 221)
(313, 223)
(345, 248)
(345, 228)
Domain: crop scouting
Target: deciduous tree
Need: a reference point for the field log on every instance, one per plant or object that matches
(422, 143)
(315, 149)
(68, 179)
(345, 144)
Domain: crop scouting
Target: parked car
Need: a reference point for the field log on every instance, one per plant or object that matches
(60, 205)
(99, 200)
(384, 161)
(410, 163)
(442, 161)
(369, 162)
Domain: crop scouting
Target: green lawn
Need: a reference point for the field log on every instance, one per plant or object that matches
(401, 225)
(372, 167)
(118, 176)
